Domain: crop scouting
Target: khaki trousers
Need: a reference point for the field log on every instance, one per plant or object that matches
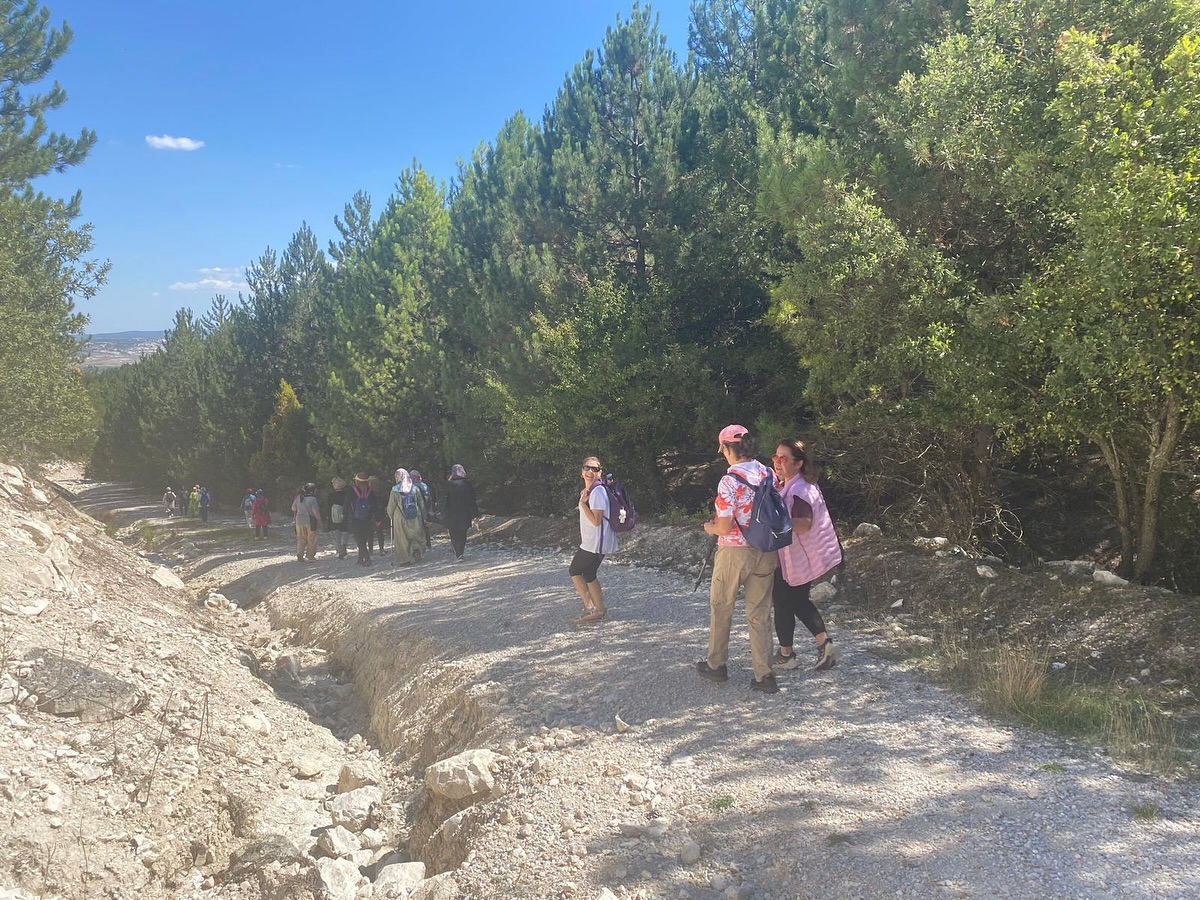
(735, 567)
(306, 542)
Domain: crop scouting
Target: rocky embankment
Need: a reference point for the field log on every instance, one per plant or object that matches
(209, 718)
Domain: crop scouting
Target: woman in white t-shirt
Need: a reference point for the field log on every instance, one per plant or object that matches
(595, 540)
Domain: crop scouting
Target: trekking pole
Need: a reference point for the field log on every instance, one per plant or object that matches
(712, 548)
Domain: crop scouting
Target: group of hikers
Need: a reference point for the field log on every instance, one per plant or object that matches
(369, 512)
(199, 502)
(805, 549)
(775, 568)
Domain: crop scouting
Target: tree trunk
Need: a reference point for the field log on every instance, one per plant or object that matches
(1163, 439)
(1112, 458)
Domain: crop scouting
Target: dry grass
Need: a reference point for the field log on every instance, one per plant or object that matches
(1015, 680)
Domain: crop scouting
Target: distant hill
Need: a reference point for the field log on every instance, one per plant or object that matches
(106, 351)
(129, 336)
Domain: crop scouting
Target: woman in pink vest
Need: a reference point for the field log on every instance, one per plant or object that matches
(813, 552)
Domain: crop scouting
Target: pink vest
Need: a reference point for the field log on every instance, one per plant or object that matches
(812, 554)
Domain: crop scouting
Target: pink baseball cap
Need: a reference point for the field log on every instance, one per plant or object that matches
(731, 434)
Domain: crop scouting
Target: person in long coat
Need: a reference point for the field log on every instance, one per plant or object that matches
(381, 524)
(406, 509)
(461, 509)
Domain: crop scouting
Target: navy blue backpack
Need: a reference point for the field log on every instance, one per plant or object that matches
(770, 525)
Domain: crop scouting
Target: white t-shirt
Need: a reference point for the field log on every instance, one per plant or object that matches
(589, 534)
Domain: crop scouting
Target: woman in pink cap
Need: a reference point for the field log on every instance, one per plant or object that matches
(737, 564)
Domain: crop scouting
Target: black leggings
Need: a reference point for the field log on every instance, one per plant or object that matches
(458, 537)
(792, 603)
(363, 533)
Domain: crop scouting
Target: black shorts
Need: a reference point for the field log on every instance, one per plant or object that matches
(585, 565)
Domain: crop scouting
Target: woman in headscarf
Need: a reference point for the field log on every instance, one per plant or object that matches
(461, 509)
(406, 509)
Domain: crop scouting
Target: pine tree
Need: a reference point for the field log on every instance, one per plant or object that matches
(44, 269)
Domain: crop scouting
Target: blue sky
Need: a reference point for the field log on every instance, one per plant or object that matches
(298, 105)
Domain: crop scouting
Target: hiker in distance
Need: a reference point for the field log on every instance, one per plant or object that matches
(595, 540)
(337, 516)
(813, 552)
(168, 501)
(260, 514)
(248, 508)
(738, 564)
(379, 516)
(308, 522)
(360, 517)
(461, 510)
(406, 510)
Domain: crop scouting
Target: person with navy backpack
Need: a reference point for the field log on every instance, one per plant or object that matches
(596, 539)
(361, 522)
(747, 528)
(406, 509)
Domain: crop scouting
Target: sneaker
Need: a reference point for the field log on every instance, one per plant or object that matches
(767, 684)
(779, 661)
(827, 655)
(720, 673)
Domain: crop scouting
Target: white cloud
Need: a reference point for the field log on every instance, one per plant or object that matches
(167, 142)
(217, 279)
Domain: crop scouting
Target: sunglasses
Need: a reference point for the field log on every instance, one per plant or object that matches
(783, 458)
(591, 468)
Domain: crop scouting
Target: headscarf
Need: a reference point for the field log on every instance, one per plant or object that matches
(457, 471)
(416, 476)
(404, 482)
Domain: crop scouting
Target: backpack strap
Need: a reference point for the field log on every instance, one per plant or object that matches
(600, 543)
(737, 476)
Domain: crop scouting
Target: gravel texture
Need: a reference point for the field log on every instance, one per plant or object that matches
(863, 781)
(616, 771)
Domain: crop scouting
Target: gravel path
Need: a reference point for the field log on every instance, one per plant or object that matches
(864, 781)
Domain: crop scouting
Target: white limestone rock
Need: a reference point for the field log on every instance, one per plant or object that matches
(1103, 576)
(352, 810)
(357, 774)
(399, 880)
(167, 579)
(466, 775)
(339, 843)
(339, 878)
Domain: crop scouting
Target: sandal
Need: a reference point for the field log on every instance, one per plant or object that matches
(592, 615)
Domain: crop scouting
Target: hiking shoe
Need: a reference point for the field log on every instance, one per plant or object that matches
(779, 661)
(827, 655)
(720, 673)
(767, 684)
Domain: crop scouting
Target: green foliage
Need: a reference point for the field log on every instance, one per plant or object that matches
(44, 407)
(382, 398)
(922, 235)
(283, 460)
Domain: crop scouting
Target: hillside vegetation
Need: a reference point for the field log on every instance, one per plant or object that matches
(951, 244)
